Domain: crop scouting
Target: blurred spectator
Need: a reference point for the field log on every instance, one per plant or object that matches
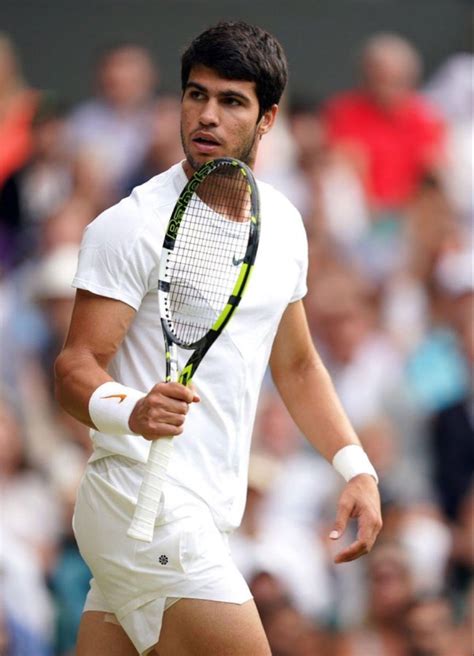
(343, 317)
(46, 423)
(66, 225)
(291, 634)
(437, 370)
(393, 136)
(70, 577)
(40, 186)
(284, 162)
(30, 513)
(165, 143)
(431, 630)
(465, 632)
(29, 529)
(38, 545)
(390, 590)
(460, 576)
(451, 88)
(17, 106)
(430, 231)
(114, 128)
(319, 180)
(275, 432)
(299, 562)
(453, 428)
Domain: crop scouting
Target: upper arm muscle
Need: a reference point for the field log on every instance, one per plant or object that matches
(98, 326)
(293, 347)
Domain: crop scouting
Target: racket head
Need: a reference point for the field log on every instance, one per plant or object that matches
(208, 253)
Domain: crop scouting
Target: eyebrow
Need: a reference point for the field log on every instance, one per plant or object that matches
(226, 93)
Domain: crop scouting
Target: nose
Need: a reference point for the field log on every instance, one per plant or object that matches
(209, 115)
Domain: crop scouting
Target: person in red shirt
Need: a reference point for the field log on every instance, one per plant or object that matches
(393, 136)
(18, 104)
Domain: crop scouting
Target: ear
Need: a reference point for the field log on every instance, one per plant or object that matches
(268, 119)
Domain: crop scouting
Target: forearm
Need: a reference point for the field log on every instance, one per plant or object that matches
(86, 391)
(311, 399)
(309, 395)
(77, 375)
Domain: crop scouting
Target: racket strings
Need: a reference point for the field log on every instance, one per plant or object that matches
(209, 250)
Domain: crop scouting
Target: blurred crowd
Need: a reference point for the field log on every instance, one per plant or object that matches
(382, 174)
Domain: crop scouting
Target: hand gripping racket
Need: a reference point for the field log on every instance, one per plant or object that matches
(208, 252)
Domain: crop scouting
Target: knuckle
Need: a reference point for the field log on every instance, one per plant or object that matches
(345, 506)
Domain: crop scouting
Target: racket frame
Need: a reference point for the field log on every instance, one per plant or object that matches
(150, 493)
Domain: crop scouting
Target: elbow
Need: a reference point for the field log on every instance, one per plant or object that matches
(62, 372)
(66, 377)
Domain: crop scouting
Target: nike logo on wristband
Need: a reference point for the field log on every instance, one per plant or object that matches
(122, 397)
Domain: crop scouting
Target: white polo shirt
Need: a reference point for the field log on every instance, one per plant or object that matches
(119, 259)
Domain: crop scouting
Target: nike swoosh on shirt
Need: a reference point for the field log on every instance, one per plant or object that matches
(122, 397)
(236, 262)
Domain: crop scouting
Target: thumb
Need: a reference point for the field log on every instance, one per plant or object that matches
(196, 397)
(339, 526)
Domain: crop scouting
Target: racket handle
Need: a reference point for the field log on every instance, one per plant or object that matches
(151, 489)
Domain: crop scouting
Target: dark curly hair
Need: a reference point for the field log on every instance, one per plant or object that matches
(239, 51)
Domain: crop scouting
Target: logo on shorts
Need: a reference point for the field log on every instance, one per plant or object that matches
(163, 560)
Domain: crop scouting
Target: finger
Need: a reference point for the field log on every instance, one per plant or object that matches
(343, 513)
(176, 391)
(355, 550)
(170, 405)
(168, 418)
(196, 397)
(161, 429)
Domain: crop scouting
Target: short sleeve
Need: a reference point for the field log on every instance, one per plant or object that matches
(117, 257)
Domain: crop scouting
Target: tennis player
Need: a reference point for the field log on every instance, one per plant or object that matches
(182, 595)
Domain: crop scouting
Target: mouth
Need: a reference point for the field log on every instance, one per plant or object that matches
(205, 143)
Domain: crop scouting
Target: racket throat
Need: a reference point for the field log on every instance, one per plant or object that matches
(171, 358)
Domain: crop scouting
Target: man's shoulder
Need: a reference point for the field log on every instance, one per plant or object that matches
(423, 110)
(273, 198)
(146, 210)
(160, 190)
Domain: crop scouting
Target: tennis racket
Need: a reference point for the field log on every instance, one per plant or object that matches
(208, 252)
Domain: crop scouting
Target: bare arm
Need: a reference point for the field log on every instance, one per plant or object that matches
(98, 326)
(307, 391)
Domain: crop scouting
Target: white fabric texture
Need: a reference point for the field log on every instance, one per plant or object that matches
(188, 557)
(119, 259)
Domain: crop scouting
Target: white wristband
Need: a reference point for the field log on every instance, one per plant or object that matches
(110, 407)
(351, 461)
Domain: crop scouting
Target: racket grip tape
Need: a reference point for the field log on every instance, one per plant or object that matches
(151, 490)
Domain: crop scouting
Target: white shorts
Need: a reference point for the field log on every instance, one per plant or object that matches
(136, 581)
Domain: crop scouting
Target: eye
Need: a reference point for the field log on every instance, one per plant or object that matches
(195, 94)
(233, 102)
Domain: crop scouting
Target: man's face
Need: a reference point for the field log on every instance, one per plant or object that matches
(126, 77)
(389, 79)
(219, 118)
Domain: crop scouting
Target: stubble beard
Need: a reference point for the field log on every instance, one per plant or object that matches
(245, 152)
